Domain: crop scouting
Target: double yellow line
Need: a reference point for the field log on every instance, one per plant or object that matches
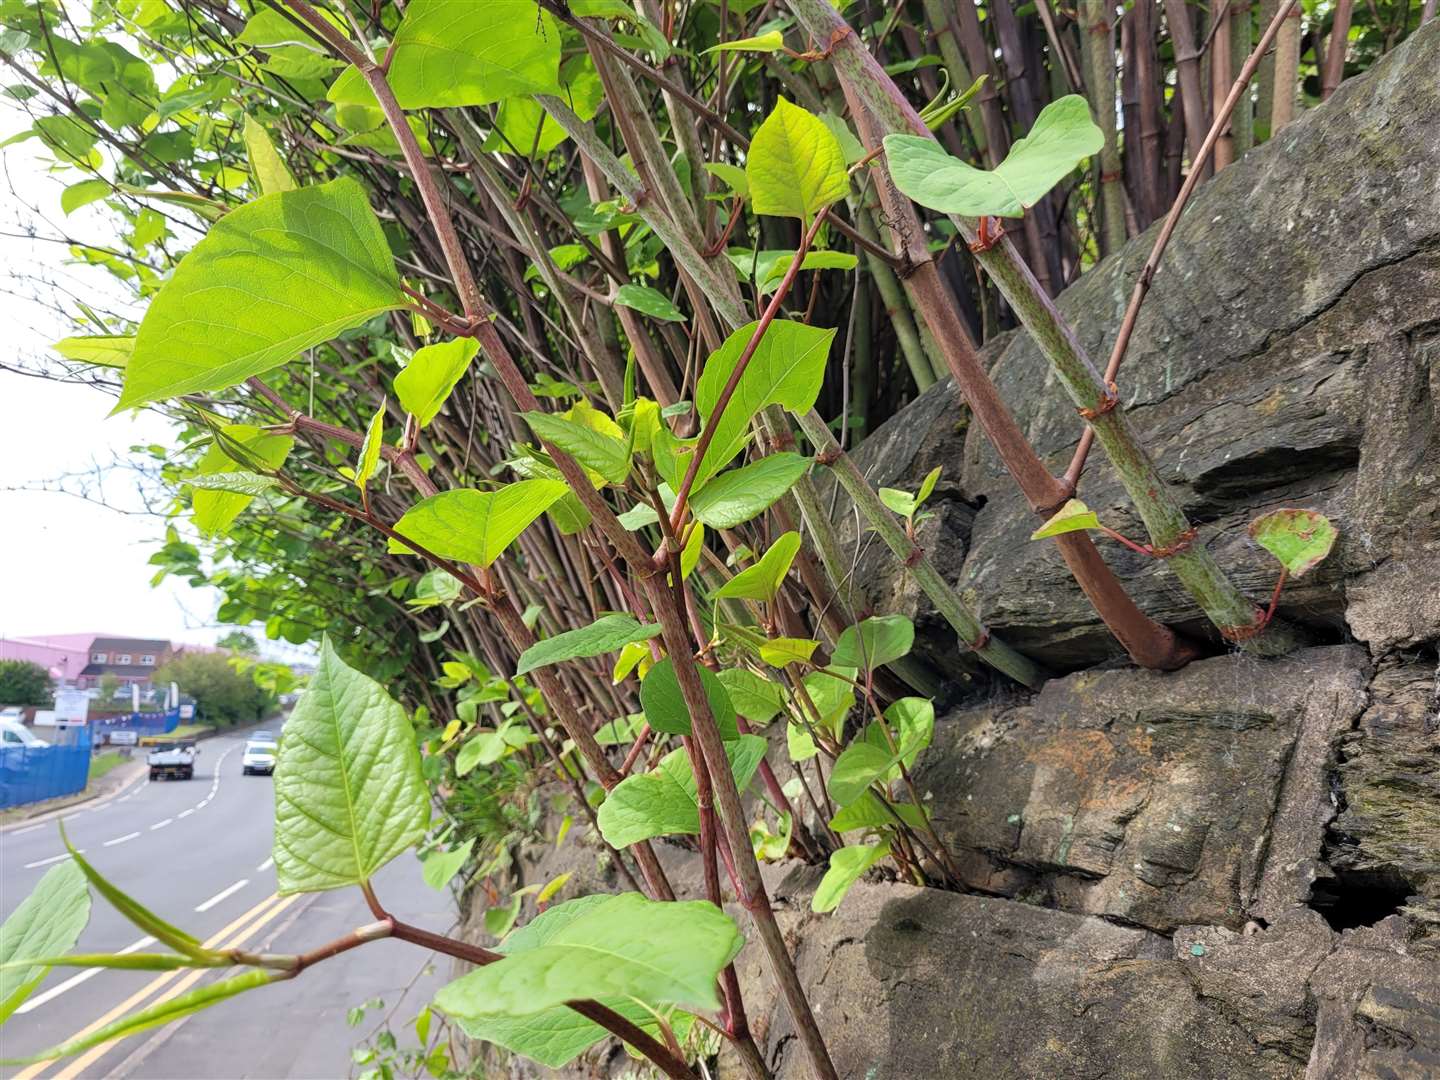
(232, 936)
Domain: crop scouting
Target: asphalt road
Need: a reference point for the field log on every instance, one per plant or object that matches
(197, 853)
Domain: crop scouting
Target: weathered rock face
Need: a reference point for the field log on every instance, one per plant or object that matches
(1288, 355)
(1153, 799)
(1231, 871)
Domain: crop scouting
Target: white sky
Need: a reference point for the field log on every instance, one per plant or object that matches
(68, 565)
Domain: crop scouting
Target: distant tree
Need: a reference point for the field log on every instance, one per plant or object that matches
(222, 695)
(239, 641)
(24, 683)
(109, 687)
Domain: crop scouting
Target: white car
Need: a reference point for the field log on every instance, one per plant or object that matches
(259, 757)
(14, 733)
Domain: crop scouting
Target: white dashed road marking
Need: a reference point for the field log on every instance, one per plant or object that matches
(52, 859)
(161, 824)
(266, 865)
(120, 839)
(76, 980)
(223, 894)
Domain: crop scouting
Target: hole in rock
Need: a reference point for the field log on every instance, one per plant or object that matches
(1351, 900)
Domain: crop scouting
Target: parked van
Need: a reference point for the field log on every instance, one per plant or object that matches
(14, 733)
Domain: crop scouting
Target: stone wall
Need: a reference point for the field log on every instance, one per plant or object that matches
(1231, 871)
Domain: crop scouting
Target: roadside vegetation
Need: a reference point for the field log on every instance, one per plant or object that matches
(515, 350)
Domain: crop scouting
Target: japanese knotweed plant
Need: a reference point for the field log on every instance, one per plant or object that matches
(716, 601)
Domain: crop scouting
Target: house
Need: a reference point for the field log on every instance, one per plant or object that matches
(82, 660)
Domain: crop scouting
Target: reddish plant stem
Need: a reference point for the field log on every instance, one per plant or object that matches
(772, 309)
(1167, 230)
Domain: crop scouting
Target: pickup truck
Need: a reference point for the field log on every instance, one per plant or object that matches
(172, 761)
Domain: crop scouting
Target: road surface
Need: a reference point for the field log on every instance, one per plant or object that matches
(197, 853)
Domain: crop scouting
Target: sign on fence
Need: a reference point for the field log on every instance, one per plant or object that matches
(124, 738)
(72, 705)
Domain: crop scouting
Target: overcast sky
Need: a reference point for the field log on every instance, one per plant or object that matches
(68, 565)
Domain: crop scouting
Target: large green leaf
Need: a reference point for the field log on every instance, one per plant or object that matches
(349, 794)
(787, 369)
(795, 165)
(522, 124)
(554, 1037)
(846, 867)
(762, 580)
(460, 52)
(624, 947)
(431, 375)
(605, 634)
(874, 642)
(755, 697)
(598, 451)
(664, 705)
(735, 497)
(476, 526)
(271, 279)
(859, 765)
(215, 509)
(46, 923)
(1062, 137)
(663, 802)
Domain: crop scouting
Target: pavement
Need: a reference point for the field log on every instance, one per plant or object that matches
(197, 853)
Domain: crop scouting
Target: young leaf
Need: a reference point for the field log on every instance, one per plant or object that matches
(795, 165)
(756, 698)
(762, 581)
(732, 176)
(215, 508)
(914, 719)
(690, 554)
(833, 697)
(425, 384)
(899, 502)
(370, 449)
(458, 52)
(132, 909)
(552, 888)
(1074, 516)
(874, 642)
(605, 634)
(799, 743)
(773, 41)
(626, 946)
(48, 922)
(439, 867)
(434, 589)
(859, 765)
(846, 867)
(266, 165)
(648, 301)
(1062, 137)
(596, 450)
(476, 526)
(229, 311)
(104, 350)
(239, 483)
(83, 194)
(664, 705)
(1300, 539)
(162, 1012)
(663, 802)
(927, 486)
(735, 497)
(867, 813)
(557, 1036)
(777, 652)
(768, 276)
(349, 794)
